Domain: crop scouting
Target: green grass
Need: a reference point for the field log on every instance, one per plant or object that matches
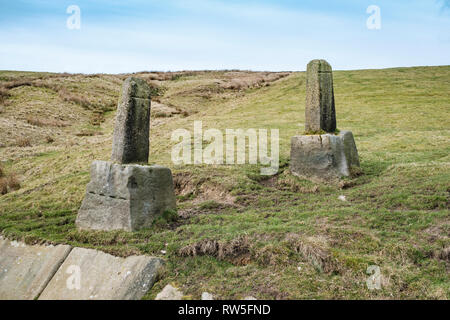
(396, 215)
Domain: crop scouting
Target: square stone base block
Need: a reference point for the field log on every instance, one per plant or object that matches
(324, 157)
(125, 197)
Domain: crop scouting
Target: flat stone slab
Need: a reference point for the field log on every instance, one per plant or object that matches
(324, 157)
(88, 274)
(126, 197)
(26, 270)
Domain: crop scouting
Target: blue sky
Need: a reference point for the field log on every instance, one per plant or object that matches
(128, 36)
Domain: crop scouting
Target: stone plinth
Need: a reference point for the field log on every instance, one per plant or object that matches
(126, 197)
(324, 157)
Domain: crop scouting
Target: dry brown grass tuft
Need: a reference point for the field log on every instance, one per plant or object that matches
(71, 97)
(164, 76)
(39, 122)
(23, 142)
(18, 83)
(3, 186)
(88, 133)
(236, 251)
(48, 85)
(4, 94)
(251, 80)
(160, 114)
(98, 108)
(184, 183)
(204, 247)
(443, 254)
(286, 182)
(272, 254)
(315, 251)
(13, 181)
(8, 182)
(97, 118)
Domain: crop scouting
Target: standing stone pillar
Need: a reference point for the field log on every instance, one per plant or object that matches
(131, 132)
(122, 195)
(322, 157)
(320, 113)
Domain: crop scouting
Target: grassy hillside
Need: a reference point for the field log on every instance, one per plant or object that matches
(239, 233)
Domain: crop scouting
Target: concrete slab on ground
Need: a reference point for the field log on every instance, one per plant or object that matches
(88, 274)
(26, 270)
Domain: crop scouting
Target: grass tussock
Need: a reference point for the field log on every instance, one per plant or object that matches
(23, 142)
(287, 182)
(40, 122)
(4, 95)
(443, 254)
(166, 76)
(236, 251)
(242, 251)
(3, 182)
(75, 98)
(8, 181)
(315, 250)
(3, 186)
(88, 133)
(13, 182)
(18, 83)
(252, 80)
(272, 254)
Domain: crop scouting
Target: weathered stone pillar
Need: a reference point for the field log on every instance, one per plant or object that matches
(123, 195)
(131, 131)
(320, 114)
(322, 157)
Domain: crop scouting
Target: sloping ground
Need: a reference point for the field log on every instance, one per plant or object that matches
(240, 233)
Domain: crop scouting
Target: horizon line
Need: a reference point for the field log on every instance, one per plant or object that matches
(216, 70)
